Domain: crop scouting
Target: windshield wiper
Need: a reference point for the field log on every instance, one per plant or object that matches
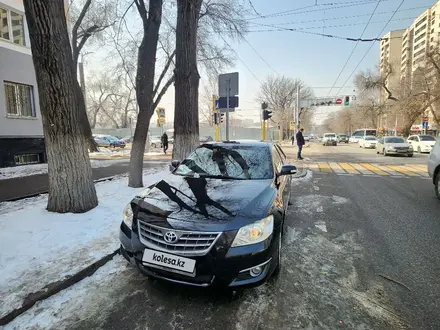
(219, 176)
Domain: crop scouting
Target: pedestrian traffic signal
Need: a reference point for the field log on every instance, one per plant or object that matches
(222, 118)
(267, 114)
(347, 100)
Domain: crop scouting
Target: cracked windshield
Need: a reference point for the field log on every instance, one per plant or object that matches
(219, 164)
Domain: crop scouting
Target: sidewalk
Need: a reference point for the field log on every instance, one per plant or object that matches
(19, 187)
(39, 248)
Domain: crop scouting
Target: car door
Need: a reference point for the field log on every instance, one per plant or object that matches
(416, 143)
(283, 193)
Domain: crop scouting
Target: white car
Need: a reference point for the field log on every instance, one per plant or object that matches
(421, 143)
(155, 142)
(434, 167)
(330, 139)
(394, 145)
(368, 142)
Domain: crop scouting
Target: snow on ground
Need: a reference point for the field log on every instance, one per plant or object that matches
(38, 247)
(26, 170)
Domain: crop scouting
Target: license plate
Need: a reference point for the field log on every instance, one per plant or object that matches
(169, 261)
(402, 151)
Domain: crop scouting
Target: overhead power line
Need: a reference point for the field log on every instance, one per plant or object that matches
(354, 48)
(262, 58)
(371, 46)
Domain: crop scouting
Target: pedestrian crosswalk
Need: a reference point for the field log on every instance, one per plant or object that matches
(372, 169)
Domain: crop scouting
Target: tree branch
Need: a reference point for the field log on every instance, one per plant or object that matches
(163, 91)
(164, 71)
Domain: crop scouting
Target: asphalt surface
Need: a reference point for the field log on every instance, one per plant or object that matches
(344, 233)
(15, 188)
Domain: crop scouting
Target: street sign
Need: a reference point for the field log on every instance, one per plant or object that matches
(223, 102)
(228, 84)
(425, 124)
(338, 101)
(160, 112)
(292, 125)
(425, 119)
(217, 104)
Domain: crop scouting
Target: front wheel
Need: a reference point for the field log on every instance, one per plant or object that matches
(410, 155)
(153, 145)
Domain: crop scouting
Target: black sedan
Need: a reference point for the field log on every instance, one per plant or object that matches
(216, 219)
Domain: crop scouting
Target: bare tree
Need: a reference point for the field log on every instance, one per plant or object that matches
(91, 18)
(281, 93)
(71, 188)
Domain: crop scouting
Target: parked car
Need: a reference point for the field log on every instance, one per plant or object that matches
(329, 139)
(128, 139)
(155, 141)
(368, 142)
(434, 167)
(394, 145)
(204, 139)
(306, 138)
(171, 140)
(101, 142)
(114, 141)
(342, 138)
(421, 143)
(206, 223)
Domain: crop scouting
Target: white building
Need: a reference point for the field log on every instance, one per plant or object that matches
(21, 129)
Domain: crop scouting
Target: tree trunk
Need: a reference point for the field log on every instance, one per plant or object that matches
(186, 113)
(71, 187)
(145, 88)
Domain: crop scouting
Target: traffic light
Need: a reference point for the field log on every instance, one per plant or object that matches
(216, 118)
(347, 100)
(267, 114)
(222, 118)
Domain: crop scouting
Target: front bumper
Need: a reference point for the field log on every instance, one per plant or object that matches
(370, 145)
(219, 267)
(396, 152)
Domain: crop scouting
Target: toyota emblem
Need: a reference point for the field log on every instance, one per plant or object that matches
(170, 237)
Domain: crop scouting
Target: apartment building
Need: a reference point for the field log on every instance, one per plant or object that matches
(390, 56)
(21, 129)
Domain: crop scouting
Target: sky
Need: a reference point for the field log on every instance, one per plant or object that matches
(317, 60)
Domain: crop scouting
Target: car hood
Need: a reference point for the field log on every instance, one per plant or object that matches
(206, 204)
(405, 145)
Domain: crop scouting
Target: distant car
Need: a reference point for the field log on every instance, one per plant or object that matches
(101, 142)
(306, 138)
(342, 138)
(434, 167)
(128, 139)
(421, 143)
(394, 145)
(329, 139)
(114, 141)
(204, 139)
(368, 142)
(155, 141)
(171, 140)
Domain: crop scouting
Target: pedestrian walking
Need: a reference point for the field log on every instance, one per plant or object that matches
(300, 142)
(293, 139)
(164, 140)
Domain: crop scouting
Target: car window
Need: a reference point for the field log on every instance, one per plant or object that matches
(370, 138)
(427, 138)
(394, 140)
(236, 162)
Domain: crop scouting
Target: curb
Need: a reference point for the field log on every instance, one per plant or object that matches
(55, 287)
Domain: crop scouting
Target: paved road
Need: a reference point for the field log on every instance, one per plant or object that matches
(11, 189)
(344, 232)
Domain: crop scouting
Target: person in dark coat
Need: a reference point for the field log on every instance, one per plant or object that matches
(300, 142)
(164, 140)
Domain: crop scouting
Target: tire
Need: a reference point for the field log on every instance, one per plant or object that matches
(437, 185)
(153, 145)
(384, 152)
(112, 145)
(410, 155)
(419, 150)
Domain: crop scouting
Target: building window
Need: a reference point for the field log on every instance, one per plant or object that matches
(27, 159)
(19, 100)
(12, 27)
(421, 21)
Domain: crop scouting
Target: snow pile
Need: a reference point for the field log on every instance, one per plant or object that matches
(38, 247)
(34, 169)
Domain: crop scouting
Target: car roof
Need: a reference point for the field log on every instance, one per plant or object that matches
(247, 143)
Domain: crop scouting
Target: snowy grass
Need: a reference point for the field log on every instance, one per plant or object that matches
(26, 170)
(39, 247)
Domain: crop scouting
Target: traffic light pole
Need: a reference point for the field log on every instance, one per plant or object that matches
(264, 130)
(216, 119)
(228, 91)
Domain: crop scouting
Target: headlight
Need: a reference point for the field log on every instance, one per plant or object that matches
(128, 215)
(410, 146)
(255, 232)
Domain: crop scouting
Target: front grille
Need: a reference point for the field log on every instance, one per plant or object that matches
(402, 148)
(188, 243)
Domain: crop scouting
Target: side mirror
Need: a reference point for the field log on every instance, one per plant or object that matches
(288, 170)
(175, 163)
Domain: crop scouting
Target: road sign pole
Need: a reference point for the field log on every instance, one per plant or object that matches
(228, 89)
